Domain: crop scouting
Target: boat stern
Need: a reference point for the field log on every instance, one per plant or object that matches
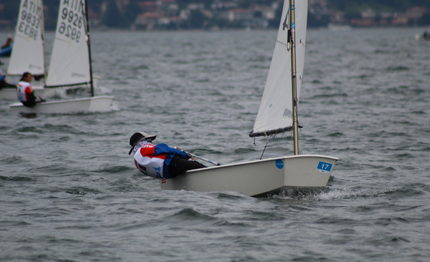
(311, 171)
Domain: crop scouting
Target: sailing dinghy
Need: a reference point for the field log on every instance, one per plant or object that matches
(29, 54)
(277, 114)
(70, 63)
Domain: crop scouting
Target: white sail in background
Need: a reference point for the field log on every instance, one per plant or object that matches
(28, 47)
(70, 59)
(276, 105)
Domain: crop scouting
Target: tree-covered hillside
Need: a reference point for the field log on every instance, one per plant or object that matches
(376, 5)
(207, 13)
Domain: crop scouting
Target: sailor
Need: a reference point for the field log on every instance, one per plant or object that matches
(25, 92)
(8, 43)
(159, 161)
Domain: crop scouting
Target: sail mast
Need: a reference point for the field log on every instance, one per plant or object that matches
(42, 29)
(89, 47)
(294, 77)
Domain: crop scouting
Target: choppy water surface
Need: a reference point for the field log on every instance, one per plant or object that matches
(69, 191)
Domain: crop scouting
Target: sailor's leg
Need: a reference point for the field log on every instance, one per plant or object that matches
(180, 165)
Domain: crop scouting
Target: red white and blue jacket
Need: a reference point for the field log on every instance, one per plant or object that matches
(154, 160)
(24, 91)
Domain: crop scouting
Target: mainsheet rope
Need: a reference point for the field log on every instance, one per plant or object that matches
(273, 138)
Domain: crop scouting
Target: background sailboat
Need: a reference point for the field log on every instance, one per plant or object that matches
(70, 63)
(277, 114)
(70, 57)
(28, 53)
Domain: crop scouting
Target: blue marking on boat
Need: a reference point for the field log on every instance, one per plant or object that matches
(324, 167)
(279, 163)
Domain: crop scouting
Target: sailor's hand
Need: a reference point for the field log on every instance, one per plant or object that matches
(177, 148)
(190, 157)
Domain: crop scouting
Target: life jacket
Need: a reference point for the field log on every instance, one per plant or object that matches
(23, 91)
(149, 163)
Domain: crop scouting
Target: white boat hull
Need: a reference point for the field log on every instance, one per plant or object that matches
(259, 177)
(88, 104)
(10, 93)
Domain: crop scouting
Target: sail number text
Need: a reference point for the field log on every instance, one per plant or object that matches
(71, 24)
(324, 167)
(29, 19)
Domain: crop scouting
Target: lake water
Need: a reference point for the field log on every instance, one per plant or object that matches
(69, 190)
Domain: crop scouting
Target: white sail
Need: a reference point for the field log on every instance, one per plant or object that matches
(28, 48)
(70, 59)
(275, 110)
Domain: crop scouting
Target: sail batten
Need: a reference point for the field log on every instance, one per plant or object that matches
(271, 132)
(69, 61)
(276, 107)
(74, 84)
(282, 43)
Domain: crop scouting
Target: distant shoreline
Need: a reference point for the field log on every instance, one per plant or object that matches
(114, 30)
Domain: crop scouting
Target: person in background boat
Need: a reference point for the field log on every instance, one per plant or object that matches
(25, 92)
(8, 43)
(3, 82)
(38, 77)
(159, 161)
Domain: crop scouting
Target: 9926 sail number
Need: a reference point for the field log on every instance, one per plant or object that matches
(71, 25)
(29, 24)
